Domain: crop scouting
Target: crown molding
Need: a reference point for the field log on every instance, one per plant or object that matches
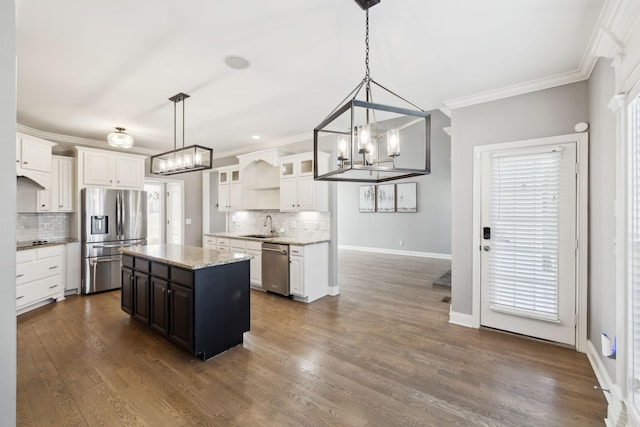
(603, 42)
(85, 142)
(517, 89)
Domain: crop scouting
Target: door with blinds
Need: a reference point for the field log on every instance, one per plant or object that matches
(528, 241)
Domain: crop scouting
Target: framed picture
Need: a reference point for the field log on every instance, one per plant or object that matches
(367, 198)
(386, 198)
(406, 197)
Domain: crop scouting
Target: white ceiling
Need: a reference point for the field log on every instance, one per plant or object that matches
(85, 67)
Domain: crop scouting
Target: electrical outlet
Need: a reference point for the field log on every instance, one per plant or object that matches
(188, 221)
(401, 243)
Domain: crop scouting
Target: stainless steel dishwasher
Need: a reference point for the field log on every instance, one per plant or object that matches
(275, 268)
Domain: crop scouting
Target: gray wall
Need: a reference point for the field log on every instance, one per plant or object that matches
(428, 230)
(539, 114)
(8, 214)
(602, 222)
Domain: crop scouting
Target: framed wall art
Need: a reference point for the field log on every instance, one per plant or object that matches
(406, 197)
(367, 198)
(386, 196)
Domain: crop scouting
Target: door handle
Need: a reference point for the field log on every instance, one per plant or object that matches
(486, 248)
(281, 251)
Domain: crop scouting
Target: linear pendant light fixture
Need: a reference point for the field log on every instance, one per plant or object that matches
(185, 159)
(364, 138)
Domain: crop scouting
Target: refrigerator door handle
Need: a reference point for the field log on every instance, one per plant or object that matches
(119, 215)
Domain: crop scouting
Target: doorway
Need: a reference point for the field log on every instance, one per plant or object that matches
(530, 238)
(165, 210)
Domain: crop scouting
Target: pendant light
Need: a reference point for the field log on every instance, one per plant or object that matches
(120, 139)
(185, 159)
(373, 141)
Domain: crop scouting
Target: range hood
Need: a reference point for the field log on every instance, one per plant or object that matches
(41, 179)
(43, 183)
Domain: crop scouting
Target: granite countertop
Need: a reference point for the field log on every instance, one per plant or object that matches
(189, 257)
(286, 240)
(25, 245)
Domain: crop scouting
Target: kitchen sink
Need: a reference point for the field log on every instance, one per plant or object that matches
(259, 236)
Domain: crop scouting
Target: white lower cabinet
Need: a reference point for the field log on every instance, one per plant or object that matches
(209, 242)
(249, 247)
(223, 245)
(40, 275)
(73, 274)
(255, 249)
(309, 271)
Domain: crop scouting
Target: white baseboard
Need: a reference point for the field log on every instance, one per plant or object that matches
(616, 410)
(395, 252)
(333, 291)
(604, 379)
(460, 319)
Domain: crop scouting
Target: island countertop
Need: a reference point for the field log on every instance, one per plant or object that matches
(190, 257)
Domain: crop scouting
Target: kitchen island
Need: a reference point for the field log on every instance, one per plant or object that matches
(197, 298)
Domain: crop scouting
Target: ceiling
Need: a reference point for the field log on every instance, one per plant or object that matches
(85, 67)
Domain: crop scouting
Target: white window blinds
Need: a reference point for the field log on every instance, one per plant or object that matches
(523, 268)
(634, 240)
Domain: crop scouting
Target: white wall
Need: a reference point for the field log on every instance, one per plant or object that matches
(428, 230)
(8, 214)
(539, 114)
(602, 221)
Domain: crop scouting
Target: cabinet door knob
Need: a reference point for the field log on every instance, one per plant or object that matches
(25, 163)
(17, 161)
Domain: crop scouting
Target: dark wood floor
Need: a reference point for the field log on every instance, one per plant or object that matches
(381, 353)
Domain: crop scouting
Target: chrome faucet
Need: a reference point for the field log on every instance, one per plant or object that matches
(270, 221)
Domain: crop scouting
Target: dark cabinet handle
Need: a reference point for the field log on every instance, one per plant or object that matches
(51, 268)
(21, 296)
(54, 286)
(19, 275)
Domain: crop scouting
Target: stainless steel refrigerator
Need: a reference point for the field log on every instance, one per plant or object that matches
(111, 219)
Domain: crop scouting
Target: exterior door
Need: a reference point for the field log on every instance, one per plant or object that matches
(528, 241)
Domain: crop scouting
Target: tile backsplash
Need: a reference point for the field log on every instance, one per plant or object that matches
(41, 226)
(294, 224)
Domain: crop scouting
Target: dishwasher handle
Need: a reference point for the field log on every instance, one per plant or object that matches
(282, 251)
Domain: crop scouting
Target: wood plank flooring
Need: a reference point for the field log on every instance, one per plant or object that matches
(381, 354)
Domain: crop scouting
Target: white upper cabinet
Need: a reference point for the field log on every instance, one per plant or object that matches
(33, 159)
(59, 198)
(100, 168)
(298, 190)
(65, 183)
(229, 190)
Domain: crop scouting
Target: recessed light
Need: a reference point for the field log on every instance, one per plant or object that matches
(236, 62)
(255, 136)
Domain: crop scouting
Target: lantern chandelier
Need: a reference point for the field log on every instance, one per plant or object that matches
(357, 131)
(185, 159)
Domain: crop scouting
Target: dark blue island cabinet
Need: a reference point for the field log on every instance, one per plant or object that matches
(197, 298)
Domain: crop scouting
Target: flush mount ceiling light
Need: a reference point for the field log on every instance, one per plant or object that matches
(120, 139)
(357, 133)
(185, 159)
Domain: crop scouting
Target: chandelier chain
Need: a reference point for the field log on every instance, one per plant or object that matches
(366, 42)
